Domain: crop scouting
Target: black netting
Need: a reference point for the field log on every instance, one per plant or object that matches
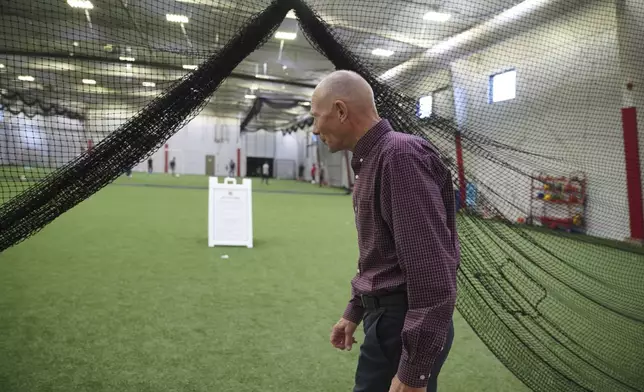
(523, 99)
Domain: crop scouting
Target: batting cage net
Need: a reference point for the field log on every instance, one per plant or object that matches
(530, 103)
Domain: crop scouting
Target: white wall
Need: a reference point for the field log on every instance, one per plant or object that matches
(260, 144)
(41, 141)
(439, 86)
(567, 106)
(286, 146)
(208, 135)
(203, 135)
(287, 150)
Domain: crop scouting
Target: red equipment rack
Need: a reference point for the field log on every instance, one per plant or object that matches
(560, 202)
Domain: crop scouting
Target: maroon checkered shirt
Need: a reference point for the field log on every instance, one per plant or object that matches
(403, 201)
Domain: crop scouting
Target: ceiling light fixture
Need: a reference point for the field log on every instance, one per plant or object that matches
(187, 66)
(1, 66)
(250, 96)
(126, 58)
(291, 15)
(84, 4)
(437, 16)
(260, 76)
(89, 81)
(176, 18)
(75, 44)
(148, 84)
(26, 78)
(382, 52)
(285, 35)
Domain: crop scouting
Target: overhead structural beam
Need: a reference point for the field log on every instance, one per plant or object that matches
(508, 23)
(158, 65)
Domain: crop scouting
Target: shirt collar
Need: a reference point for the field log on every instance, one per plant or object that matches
(371, 138)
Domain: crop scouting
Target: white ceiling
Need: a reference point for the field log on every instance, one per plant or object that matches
(38, 39)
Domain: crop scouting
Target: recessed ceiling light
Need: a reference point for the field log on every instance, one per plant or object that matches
(126, 58)
(437, 16)
(26, 78)
(75, 43)
(291, 15)
(250, 96)
(176, 18)
(382, 52)
(148, 84)
(187, 66)
(84, 4)
(89, 81)
(284, 67)
(285, 35)
(1, 66)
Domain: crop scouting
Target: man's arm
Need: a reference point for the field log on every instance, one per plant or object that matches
(354, 310)
(413, 207)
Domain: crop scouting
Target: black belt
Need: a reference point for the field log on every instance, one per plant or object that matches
(373, 302)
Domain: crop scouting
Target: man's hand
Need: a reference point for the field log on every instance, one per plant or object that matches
(342, 334)
(398, 386)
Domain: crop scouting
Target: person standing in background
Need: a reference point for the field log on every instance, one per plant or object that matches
(231, 169)
(322, 173)
(173, 165)
(300, 173)
(313, 169)
(266, 169)
(149, 165)
(405, 289)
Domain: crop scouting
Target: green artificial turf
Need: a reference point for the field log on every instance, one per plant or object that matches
(123, 294)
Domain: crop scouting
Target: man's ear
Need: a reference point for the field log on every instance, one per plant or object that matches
(342, 110)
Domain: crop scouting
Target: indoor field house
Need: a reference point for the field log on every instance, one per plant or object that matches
(173, 216)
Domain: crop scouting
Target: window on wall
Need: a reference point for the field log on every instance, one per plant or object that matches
(503, 86)
(425, 106)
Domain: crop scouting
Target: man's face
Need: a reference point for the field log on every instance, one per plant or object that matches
(327, 123)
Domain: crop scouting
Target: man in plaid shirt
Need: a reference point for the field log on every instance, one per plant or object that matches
(404, 291)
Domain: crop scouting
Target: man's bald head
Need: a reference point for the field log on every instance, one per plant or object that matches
(343, 108)
(347, 86)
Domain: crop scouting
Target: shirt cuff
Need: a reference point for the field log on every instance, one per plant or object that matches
(353, 313)
(415, 376)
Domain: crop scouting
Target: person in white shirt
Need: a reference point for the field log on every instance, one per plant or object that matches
(266, 169)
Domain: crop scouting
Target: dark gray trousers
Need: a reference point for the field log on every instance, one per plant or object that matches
(382, 347)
